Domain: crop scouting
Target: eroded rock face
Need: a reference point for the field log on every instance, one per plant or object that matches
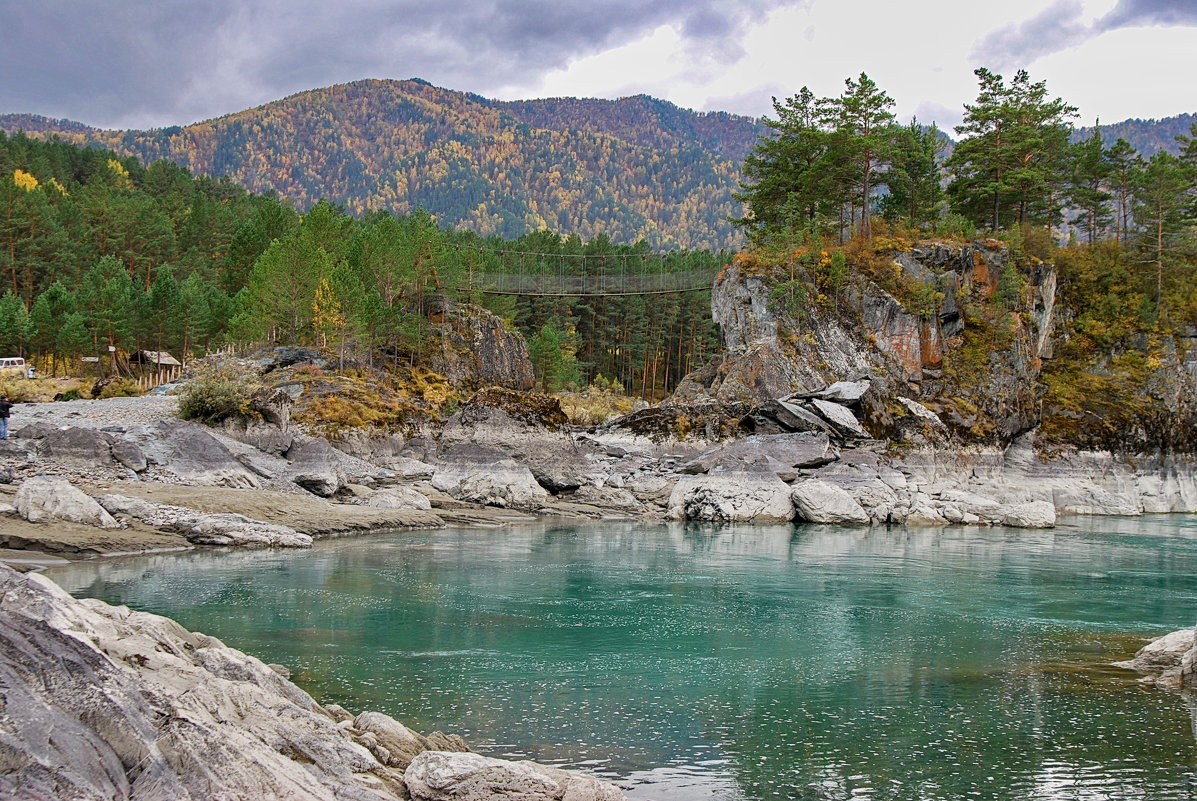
(476, 350)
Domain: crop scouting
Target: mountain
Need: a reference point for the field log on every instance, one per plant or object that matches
(630, 169)
(1146, 136)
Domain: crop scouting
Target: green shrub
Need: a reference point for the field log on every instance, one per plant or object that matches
(18, 391)
(215, 394)
(125, 388)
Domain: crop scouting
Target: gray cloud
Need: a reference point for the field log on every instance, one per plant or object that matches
(1137, 13)
(123, 63)
(1059, 26)
(1056, 27)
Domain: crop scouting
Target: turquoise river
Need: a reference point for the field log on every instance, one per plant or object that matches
(739, 663)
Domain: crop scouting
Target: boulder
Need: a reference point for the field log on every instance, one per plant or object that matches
(89, 447)
(820, 502)
(1032, 514)
(44, 499)
(34, 431)
(921, 412)
(1166, 660)
(732, 497)
(840, 418)
(398, 498)
(441, 776)
(792, 416)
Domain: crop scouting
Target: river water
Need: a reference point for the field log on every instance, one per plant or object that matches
(738, 663)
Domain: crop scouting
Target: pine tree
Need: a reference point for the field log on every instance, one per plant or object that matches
(915, 192)
(1010, 165)
(14, 324)
(785, 176)
(1160, 194)
(1089, 170)
(1125, 165)
(863, 118)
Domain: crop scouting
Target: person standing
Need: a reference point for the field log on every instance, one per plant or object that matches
(5, 410)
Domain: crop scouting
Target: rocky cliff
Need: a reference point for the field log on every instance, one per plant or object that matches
(969, 370)
(967, 330)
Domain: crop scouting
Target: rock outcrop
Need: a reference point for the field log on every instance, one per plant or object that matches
(474, 349)
(102, 702)
(439, 776)
(527, 427)
(205, 529)
(478, 474)
(188, 452)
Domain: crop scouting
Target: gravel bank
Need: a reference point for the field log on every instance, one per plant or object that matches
(120, 412)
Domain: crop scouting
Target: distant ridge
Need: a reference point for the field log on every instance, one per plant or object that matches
(630, 169)
(1146, 136)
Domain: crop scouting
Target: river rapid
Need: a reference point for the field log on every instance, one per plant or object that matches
(738, 663)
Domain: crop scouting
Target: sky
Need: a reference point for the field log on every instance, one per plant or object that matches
(154, 63)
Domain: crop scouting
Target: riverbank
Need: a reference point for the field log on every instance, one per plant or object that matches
(151, 481)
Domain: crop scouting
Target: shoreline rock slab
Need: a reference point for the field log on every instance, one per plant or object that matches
(101, 702)
(440, 776)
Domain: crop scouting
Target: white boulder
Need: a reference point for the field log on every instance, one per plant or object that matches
(820, 502)
(731, 497)
(44, 499)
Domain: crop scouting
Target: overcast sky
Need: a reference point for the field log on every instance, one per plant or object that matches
(147, 63)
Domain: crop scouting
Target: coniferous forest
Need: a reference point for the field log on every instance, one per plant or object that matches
(101, 252)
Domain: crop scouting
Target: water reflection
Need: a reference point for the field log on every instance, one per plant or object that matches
(733, 662)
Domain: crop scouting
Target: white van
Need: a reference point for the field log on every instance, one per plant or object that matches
(12, 366)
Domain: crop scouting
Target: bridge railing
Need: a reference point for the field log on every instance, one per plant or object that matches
(564, 284)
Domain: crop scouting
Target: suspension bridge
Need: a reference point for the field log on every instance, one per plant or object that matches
(507, 272)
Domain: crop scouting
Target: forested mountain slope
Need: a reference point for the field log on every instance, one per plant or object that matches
(1146, 136)
(630, 169)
